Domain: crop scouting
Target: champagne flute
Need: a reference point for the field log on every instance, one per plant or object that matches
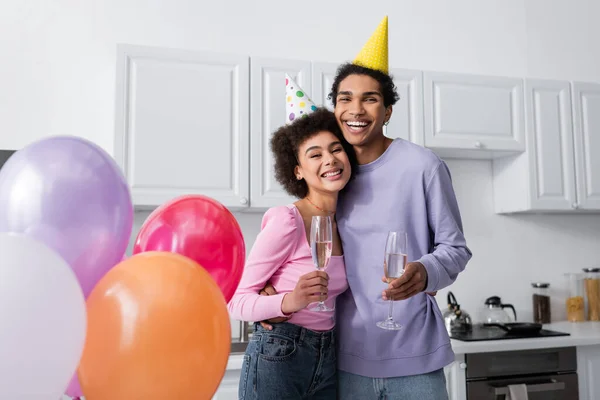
(321, 245)
(393, 266)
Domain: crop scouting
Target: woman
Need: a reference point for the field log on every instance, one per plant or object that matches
(296, 359)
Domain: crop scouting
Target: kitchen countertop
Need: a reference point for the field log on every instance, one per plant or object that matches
(582, 334)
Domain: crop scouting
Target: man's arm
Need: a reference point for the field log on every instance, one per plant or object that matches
(450, 254)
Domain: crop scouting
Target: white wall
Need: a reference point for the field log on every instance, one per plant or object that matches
(58, 70)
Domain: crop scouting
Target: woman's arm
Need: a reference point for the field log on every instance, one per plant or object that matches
(274, 244)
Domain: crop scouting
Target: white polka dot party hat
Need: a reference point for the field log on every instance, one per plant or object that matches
(297, 102)
(374, 53)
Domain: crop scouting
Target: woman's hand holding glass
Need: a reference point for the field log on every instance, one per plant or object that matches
(311, 288)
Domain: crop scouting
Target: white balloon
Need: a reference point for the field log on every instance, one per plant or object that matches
(42, 320)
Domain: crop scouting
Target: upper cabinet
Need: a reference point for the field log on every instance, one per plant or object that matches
(267, 108)
(407, 114)
(192, 122)
(182, 124)
(556, 173)
(471, 116)
(586, 99)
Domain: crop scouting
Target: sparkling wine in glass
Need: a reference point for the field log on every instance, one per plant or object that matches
(321, 245)
(393, 267)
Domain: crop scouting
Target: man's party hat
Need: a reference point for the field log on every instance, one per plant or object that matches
(297, 102)
(374, 54)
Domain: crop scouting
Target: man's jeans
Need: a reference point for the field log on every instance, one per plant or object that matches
(289, 362)
(431, 386)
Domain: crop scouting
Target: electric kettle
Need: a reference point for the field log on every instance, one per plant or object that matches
(455, 319)
(494, 311)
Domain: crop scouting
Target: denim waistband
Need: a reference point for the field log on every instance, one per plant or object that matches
(298, 333)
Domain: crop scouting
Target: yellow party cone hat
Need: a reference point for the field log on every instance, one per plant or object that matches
(374, 53)
(297, 102)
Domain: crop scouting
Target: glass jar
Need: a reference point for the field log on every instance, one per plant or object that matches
(592, 292)
(541, 303)
(575, 301)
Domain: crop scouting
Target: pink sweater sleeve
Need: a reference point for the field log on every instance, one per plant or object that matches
(273, 246)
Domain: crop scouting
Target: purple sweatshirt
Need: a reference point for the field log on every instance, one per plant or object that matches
(408, 188)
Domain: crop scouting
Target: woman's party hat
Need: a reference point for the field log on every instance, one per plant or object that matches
(297, 102)
(374, 54)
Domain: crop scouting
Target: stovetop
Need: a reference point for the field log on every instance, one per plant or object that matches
(480, 332)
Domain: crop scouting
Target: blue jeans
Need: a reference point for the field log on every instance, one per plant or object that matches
(289, 362)
(431, 386)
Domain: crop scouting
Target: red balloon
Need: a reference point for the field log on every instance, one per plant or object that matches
(201, 229)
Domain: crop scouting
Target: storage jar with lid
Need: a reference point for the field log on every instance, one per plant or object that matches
(541, 303)
(575, 303)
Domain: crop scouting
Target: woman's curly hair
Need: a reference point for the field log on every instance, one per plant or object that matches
(386, 83)
(286, 141)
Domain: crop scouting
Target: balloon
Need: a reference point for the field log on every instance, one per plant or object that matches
(158, 328)
(42, 320)
(69, 194)
(74, 388)
(202, 229)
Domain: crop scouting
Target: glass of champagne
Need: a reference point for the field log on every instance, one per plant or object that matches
(321, 245)
(393, 266)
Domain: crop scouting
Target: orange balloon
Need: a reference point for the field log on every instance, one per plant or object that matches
(158, 328)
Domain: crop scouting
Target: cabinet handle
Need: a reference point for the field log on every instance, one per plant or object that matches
(244, 201)
(478, 145)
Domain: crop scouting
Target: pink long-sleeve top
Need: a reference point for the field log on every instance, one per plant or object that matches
(281, 255)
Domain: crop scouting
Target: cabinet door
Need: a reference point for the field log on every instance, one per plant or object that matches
(588, 371)
(550, 145)
(472, 112)
(267, 108)
(323, 75)
(586, 107)
(407, 114)
(182, 124)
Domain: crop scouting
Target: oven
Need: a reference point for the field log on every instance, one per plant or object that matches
(548, 374)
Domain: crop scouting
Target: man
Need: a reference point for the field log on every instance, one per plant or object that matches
(400, 186)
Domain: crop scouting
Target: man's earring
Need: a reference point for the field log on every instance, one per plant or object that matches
(386, 122)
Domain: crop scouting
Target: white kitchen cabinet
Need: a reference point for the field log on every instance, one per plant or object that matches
(323, 74)
(473, 116)
(542, 178)
(194, 122)
(586, 102)
(556, 172)
(182, 121)
(407, 114)
(588, 371)
(267, 110)
(456, 378)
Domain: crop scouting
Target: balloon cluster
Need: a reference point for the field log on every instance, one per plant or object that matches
(80, 318)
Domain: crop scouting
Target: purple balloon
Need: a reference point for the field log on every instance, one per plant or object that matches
(70, 194)
(74, 389)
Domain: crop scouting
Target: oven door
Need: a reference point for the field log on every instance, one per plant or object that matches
(548, 387)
